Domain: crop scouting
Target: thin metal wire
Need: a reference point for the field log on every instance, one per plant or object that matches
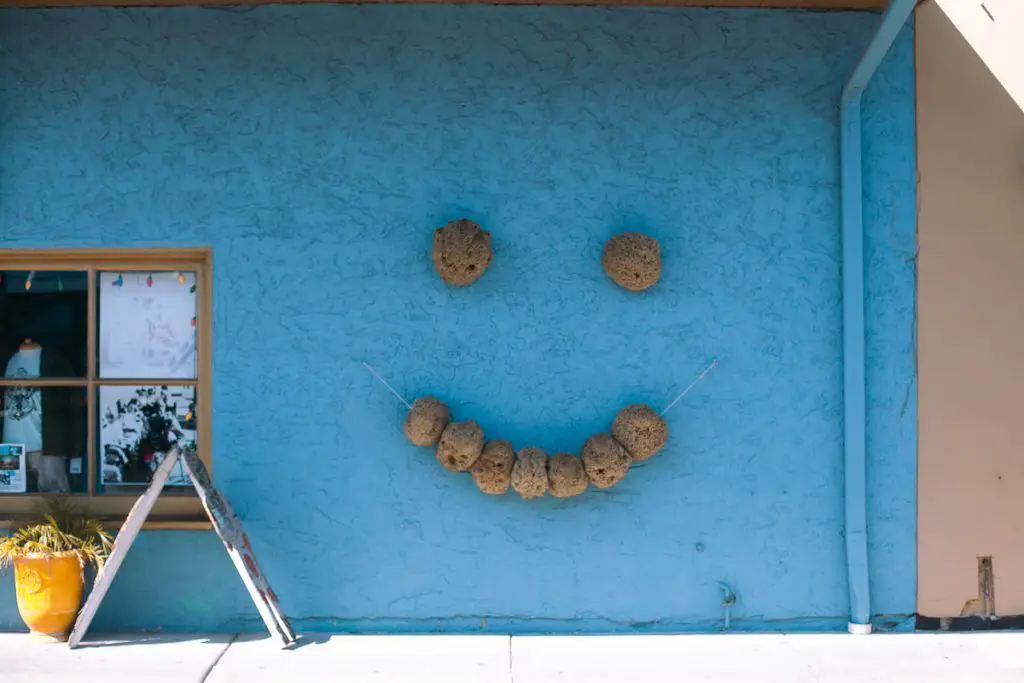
(389, 387)
(714, 364)
(669, 407)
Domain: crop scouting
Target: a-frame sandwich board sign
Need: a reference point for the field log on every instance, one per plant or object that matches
(225, 523)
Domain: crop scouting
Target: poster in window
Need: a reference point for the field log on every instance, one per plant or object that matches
(13, 477)
(139, 426)
(147, 325)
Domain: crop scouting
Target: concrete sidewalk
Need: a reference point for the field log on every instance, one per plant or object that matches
(768, 658)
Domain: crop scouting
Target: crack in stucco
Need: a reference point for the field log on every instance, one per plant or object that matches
(913, 336)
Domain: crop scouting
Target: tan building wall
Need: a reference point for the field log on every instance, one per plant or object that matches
(971, 326)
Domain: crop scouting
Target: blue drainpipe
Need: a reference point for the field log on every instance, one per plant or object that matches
(854, 382)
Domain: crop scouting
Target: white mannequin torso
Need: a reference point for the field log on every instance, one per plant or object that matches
(23, 407)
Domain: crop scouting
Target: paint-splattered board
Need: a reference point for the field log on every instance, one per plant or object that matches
(228, 528)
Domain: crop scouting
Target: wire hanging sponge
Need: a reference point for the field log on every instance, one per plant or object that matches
(530, 473)
(637, 433)
(640, 430)
(493, 470)
(461, 252)
(460, 446)
(566, 477)
(604, 460)
(426, 420)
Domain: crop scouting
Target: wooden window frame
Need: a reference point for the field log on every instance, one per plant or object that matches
(173, 510)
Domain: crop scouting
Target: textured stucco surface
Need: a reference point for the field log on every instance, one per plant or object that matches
(316, 148)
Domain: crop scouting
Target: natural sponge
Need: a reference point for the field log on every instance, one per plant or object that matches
(530, 473)
(640, 430)
(461, 252)
(604, 460)
(460, 446)
(632, 260)
(566, 477)
(493, 469)
(426, 421)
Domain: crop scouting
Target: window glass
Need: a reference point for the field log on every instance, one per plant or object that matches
(48, 309)
(98, 384)
(147, 325)
(43, 447)
(138, 426)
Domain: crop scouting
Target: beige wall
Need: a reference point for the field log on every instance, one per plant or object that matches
(971, 325)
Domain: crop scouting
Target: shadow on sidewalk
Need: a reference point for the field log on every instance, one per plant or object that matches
(170, 639)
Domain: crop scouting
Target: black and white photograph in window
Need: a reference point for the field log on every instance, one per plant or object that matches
(146, 331)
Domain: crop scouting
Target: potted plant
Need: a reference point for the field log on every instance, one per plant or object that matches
(49, 559)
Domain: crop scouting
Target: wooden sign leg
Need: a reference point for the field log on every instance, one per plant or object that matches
(229, 529)
(122, 543)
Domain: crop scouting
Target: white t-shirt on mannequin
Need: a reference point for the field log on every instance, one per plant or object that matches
(23, 406)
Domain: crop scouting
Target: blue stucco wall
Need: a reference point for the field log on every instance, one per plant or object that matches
(315, 148)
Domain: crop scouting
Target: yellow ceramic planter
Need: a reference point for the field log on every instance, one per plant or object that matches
(49, 589)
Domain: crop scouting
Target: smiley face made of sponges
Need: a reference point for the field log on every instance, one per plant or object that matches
(461, 254)
(636, 434)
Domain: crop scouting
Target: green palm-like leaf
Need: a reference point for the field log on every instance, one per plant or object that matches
(62, 529)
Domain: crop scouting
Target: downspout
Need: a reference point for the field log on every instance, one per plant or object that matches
(854, 380)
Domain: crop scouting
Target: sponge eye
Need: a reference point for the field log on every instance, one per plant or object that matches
(632, 260)
(461, 252)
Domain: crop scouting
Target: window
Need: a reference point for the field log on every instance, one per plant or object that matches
(104, 367)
